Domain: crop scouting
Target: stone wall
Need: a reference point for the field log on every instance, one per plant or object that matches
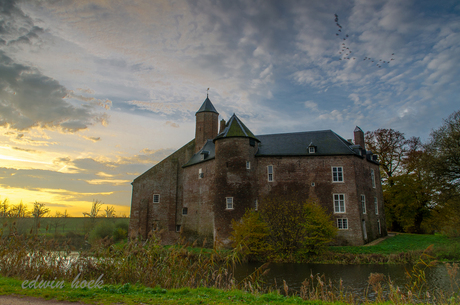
(166, 180)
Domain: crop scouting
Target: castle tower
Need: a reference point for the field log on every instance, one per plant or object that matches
(235, 176)
(207, 124)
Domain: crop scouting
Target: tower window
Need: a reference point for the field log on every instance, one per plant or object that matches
(229, 203)
(248, 165)
(337, 174)
(156, 198)
(184, 211)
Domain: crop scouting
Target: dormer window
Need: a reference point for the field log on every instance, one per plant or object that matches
(204, 154)
(311, 149)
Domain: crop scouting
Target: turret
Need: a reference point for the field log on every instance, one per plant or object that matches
(235, 177)
(207, 124)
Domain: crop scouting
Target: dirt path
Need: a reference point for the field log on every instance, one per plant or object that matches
(374, 242)
(20, 300)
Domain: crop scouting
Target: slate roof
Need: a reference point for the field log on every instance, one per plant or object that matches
(208, 152)
(327, 143)
(207, 106)
(236, 128)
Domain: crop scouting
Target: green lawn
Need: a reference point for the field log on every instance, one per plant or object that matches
(136, 294)
(442, 245)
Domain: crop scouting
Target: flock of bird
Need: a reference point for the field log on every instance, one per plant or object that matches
(345, 51)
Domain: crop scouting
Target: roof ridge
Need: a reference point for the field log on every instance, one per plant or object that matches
(296, 132)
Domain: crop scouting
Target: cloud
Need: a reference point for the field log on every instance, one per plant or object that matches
(311, 105)
(172, 124)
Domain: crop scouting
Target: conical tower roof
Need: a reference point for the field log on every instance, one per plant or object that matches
(207, 106)
(235, 128)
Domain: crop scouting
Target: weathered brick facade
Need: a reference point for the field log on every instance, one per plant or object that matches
(196, 192)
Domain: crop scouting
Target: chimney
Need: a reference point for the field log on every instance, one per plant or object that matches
(222, 125)
(359, 137)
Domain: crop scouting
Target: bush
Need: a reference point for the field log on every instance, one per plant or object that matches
(102, 230)
(284, 227)
(121, 231)
(249, 235)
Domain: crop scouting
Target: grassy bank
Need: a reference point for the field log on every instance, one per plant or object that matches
(147, 272)
(137, 294)
(399, 249)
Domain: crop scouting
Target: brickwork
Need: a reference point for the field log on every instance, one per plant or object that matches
(164, 179)
(233, 180)
(207, 125)
(199, 201)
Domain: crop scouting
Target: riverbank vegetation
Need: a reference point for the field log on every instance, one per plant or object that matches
(147, 272)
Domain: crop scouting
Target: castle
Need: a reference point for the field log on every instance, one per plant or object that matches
(200, 188)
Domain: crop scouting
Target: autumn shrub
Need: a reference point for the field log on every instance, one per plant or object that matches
(250, 235)
(284, 228)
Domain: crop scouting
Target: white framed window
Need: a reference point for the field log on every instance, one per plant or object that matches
(376, 204)
(339, 203)
(178, 228)
(184, 211)
(373, 178)
(363, 203)
(378, 226)
(342, 223)
(229, 203)
(156, 198)
(248, 165)
(337, 174)
(256, 205)
(311, 149)
(270, 173)
(200, 173)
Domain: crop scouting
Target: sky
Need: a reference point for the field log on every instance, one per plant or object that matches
(94, 93)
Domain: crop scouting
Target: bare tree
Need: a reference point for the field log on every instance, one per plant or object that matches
(109, 211)
(20, 211)
(39, 212)
(95, 208)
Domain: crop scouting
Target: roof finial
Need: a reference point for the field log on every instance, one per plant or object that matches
(207, 93)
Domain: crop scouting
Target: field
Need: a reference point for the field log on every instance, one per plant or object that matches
(58, 225)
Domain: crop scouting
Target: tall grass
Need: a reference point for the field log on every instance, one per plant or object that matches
(150, 264)
(146, 262)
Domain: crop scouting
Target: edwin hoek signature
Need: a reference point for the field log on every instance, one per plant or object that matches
(76, 283)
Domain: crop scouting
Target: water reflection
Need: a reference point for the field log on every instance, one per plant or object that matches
(354, 277)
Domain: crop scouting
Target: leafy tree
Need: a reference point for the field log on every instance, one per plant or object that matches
(444, 151)
(444, 148)
(4, 208)
(390, 146)
(318, 228)
(250, 235)
(284, 226)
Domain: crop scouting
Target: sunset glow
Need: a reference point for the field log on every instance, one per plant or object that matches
(94, 93)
